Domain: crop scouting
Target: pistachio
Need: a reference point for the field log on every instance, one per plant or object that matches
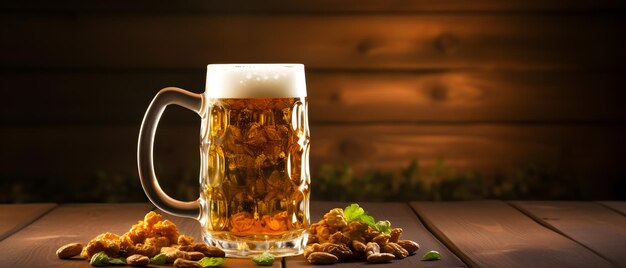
(182, 263)
(137, 260)
(69, 250)
(322, 258)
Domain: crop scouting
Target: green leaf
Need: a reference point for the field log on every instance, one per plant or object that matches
(367, 219)
(114, 261)
(353, 212)
(356, 213)
(99, 259)
(159, 259)
(265, 259)
(383, 226)
(211, 262)
(431, 256)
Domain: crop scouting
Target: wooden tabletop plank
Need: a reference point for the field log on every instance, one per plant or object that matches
(400, 215)
(14, 217)
(192, 228)
(36, 244)
(494, 234)
(596, 227)
(619, 206)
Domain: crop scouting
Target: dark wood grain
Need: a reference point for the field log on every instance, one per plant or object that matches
(192, 227)
(483, 148)
(36, 244)
(400, 215)
(426, 42)
(334, 97)
(619, 206)
(14, 217)
(321, 6)
(592, 225)
(494, 234)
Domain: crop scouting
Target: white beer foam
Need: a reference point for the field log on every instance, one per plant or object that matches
(255, 81)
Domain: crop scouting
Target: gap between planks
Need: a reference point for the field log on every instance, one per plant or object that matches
(548, 226)
(22, 221)
(494, 234)
(617, 206)
(573, 219)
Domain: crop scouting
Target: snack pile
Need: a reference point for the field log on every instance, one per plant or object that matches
(152, 240)
(352, 234)
(343, 234)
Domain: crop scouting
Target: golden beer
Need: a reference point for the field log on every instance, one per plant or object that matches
(255, 150)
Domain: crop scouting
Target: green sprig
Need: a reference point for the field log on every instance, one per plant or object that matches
(159, 259)
(265, 259)
(431, 256)
(211, 262)
(354, 212)
(102, 259)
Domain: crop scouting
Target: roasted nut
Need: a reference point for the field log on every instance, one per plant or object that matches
(339, 250)
(69, 250)
(356, 230)
(184, 240)
(174, 254)
(182, 263)
(395, 234)
(323, 232)
(372, 248)
(380, 257)
(358, 246)
(322, 258)
(381, 239)
(167, 249)
(409, 245)
(310, 249)
(334, 236)
(312, 239)
(208, 251)
(335, 219)
(107, 242)
(148, 236)
(396, 250)
(339, 238)
(137, 260)
(195, 255)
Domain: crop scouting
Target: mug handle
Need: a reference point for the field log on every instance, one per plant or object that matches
(149, 182)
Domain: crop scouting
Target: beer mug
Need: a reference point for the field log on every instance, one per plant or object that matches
(254, 151)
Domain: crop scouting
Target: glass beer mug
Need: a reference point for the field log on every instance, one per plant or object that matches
(254, 151)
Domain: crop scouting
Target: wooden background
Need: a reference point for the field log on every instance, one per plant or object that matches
(483, 86)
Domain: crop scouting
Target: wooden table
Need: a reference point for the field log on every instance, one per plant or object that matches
(467, 234)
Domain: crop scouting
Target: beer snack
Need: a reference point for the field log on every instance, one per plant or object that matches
(147, 237)
(137, 260)
(69, 250)
(152, 239)
(353, 234)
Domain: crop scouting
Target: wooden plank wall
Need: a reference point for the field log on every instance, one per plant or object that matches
(485, 86)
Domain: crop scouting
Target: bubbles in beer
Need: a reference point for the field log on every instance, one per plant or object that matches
(260, 146)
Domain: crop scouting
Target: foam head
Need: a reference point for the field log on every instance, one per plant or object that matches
(255, 81)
